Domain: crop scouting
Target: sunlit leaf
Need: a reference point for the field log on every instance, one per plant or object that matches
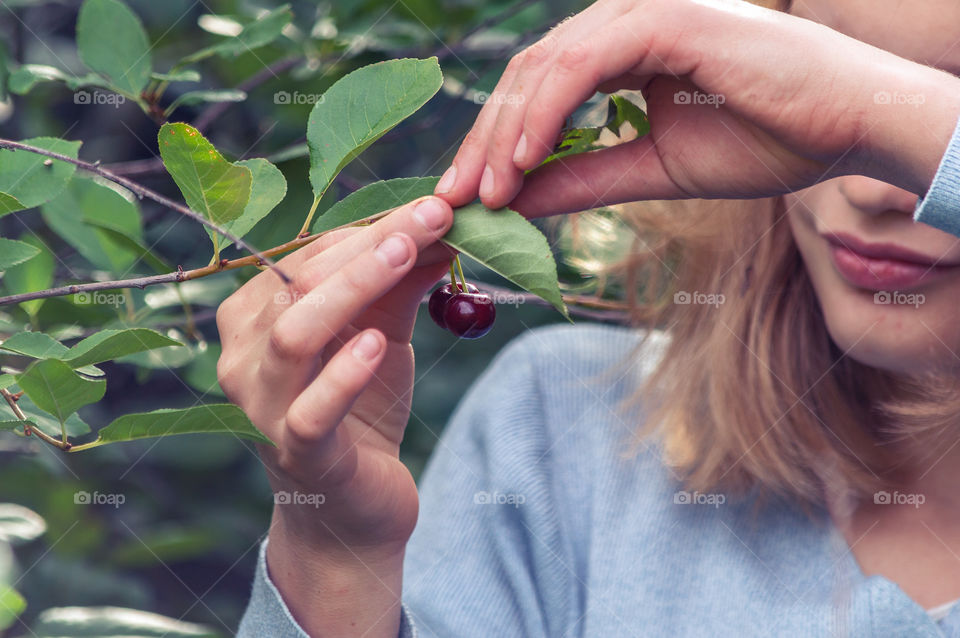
(360, 107)
(19, 524)
(210, 184)
(214, 418)
(267, 190)
(258, 33)
(113, 344)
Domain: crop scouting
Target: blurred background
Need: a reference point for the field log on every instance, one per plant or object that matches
(183, 541)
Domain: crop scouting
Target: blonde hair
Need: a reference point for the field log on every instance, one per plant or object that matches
(751, 391)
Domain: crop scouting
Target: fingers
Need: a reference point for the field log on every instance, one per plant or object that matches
(484, 163)
(297, 337)
(623, 173)
(312, 419)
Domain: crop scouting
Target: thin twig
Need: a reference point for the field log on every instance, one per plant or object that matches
(183, 275)
(27, 429)
(143, 191)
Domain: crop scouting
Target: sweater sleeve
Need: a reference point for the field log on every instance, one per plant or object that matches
(940, 207)
(488, 556)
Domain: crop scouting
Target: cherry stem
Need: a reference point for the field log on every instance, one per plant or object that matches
(460, 270)
(454, 286)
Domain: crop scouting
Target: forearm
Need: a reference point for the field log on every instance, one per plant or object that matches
(336, 595)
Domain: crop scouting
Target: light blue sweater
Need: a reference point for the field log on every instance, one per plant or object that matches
(533, 523)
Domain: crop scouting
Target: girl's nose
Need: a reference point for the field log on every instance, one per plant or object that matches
(874, 197)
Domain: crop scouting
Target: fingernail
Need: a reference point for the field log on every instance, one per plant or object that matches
(393, 251)
(486, 182)
(447, 180)
(430, 213)
(367, 347)
(521, 150)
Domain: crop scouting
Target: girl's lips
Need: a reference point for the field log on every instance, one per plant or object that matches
(883, 266)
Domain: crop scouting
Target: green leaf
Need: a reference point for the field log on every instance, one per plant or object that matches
(84, 201)
(623, 110)
(9, 204)
(131, 245)
(201, 373)
(360, 107)
(112, 41)
(258, 33)
(15, 252)
(56, 389)
(199, 97)
(12, 604)
(503, 240)
(34, 179)
(19, 524)
(113, 344)
(213, 418)
(372, 199)
(7, 380)
(509, 245)
(32, 275)
(113, 622)
(211, 185)
(38, 345)
(267, 190)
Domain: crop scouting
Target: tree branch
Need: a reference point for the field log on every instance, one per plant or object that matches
(183, 275)
(141, 192)
(27, 429)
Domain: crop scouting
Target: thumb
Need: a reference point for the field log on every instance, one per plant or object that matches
(627, 172)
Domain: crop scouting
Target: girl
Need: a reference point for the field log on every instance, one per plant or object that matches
(795, 388)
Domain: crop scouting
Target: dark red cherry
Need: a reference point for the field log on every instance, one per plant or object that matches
(439, 299)
(469, 315)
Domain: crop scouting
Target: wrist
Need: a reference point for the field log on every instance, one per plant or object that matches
(909, 125)
(336, 591)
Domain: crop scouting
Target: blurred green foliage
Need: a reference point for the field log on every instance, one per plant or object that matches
(172, 526)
